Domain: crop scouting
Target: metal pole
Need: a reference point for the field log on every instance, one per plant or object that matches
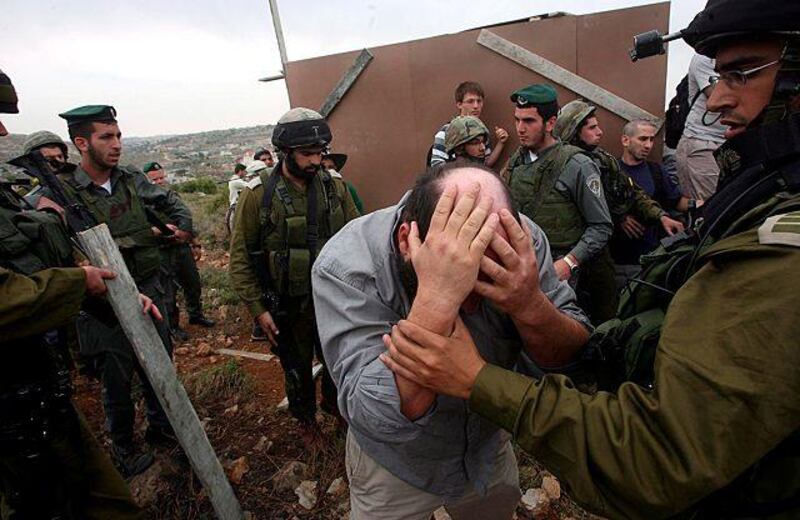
(276, 22)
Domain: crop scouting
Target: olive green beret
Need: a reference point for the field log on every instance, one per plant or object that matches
(90, 114)
(536, 94)
(151, 166)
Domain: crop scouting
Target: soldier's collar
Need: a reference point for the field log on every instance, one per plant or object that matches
(83, 180)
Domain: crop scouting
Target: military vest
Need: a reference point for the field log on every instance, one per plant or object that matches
(31, 241)
(533, 188)
(616, 185)
(291, 234)
(124, 213)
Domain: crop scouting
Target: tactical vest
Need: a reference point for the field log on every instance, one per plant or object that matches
(291, 234)
(125, 215)
(533, 188)
(616, 185)
(31, 241)
(624, 349)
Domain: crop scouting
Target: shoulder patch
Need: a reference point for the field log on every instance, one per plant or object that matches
(781, 230)
(254, 182)
(595, 185)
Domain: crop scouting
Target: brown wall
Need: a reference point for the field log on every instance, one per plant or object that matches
(387, 120)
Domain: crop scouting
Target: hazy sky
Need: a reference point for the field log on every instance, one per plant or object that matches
(183, 66)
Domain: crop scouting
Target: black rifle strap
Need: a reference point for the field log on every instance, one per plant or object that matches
(312, 226)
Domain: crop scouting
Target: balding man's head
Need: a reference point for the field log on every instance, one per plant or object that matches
(429, 186)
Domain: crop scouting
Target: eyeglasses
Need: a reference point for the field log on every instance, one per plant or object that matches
(738, 78)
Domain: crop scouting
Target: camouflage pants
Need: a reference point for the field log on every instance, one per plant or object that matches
(297, 345)
(71, 478)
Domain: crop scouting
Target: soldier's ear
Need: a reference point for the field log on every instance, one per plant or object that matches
(403, 231)
(81, 143)
(550, 124)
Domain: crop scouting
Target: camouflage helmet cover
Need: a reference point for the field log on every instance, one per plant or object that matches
(42, 138)
(570, 118)
(463, 129)
(301, 127)
(8, 96)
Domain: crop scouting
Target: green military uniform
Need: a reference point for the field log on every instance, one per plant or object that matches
(711, 429)
(50, 463)
(124, 211)
(623, 197)
(282, 236)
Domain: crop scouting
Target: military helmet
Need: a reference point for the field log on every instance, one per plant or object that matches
(722, 20)
(301, 127)
(42, 138)
(8, 96)
(464, 129)
(570, 118)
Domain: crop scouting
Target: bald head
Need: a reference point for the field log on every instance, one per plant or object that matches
(429, 186)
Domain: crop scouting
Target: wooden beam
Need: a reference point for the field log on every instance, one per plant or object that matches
(245, 354)
(584, 88)
(347, 80)
(141, 332)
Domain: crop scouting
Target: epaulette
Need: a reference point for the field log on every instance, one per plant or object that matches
(781, 230)
(255, 182)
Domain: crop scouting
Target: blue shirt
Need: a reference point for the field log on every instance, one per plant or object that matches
(358, 296)
(667, 193)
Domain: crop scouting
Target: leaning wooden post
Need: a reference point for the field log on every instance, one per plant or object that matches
(149, 349)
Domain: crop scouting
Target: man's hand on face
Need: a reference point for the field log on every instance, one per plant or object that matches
(632, 227)
(671, 226)
(515, 278)
(445, 365)
(447, 263)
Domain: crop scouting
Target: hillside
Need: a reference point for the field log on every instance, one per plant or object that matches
(211, 153)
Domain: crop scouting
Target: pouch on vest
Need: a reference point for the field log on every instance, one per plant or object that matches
(299, 276)
(296, 231)
(278, 267)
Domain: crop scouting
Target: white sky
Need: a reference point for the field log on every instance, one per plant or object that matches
(182, 66)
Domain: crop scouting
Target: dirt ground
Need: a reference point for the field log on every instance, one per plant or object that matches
(236, 400)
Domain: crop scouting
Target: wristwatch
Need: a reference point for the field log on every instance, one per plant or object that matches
(573, 267)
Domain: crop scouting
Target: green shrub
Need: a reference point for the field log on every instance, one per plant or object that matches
(205, 185)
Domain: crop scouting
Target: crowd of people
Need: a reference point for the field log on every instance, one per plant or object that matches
(631, 324)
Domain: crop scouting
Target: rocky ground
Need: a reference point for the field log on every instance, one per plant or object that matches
(237, 399)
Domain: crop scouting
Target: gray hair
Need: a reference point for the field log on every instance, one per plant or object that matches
(631, 127)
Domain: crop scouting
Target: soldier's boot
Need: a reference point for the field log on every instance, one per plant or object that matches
(129, 461)
(202, 321)
(179, 335)
(158, 435)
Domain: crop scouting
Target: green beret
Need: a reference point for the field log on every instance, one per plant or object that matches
(151, 166)
(536, 94)
(90, 114)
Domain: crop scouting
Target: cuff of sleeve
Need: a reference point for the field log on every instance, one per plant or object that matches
(580, 253)
(257, 308)
(498, 395)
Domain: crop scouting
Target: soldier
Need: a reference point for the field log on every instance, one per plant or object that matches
(50, 146)
(51, 466)
(120, 198)
(265, 156)
(334, 163)
(577, 125)
(282, 221)
(466, 137)
(558, 186)
(713, 328)
(179, 264)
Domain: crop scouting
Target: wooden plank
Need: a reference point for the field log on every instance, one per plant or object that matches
(276, 23)
(347, 80)
(583, 87)
(315, 372)
(246, 354)
(150, 351)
